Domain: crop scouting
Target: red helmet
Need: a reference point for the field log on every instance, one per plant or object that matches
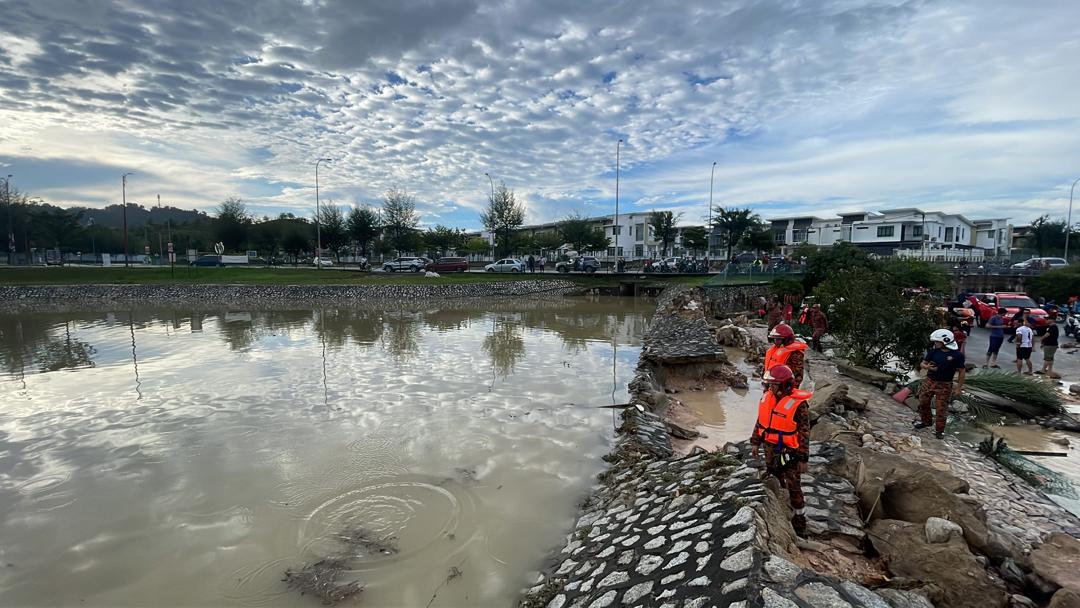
(779, 374)
(782, 330)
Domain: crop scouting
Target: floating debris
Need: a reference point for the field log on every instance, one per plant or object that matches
(320, 580)
(368, 542)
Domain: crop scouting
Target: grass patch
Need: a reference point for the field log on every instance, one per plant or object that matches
(185, 275)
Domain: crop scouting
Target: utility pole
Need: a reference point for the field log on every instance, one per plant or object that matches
(708, 238)
(617, 229)
(11, 231)
(1068, 222)
(318, 227)
(494, 236)
(123, 186)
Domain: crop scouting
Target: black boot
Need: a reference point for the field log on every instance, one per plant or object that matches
(798, 522)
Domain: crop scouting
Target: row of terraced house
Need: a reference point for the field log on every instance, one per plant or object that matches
(911, 232)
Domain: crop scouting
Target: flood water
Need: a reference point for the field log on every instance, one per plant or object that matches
(180, 457)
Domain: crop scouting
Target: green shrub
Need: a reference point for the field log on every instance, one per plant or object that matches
(1057, 284)
(873, 324)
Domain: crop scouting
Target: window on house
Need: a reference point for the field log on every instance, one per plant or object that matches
(778, 236)
(916, 232)
(639, 250)
(639, 232)
(798, 235)
(885, 231)
(616, 230)
(948, 234)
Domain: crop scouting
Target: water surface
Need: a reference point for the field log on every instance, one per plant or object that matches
(180, 457)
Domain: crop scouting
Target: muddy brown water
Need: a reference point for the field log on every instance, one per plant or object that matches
(189, 458)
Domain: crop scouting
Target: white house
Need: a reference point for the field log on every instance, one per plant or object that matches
(885, 232)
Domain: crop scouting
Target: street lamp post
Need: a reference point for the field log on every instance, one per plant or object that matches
(617, 228)
(11, 231)
(491, 182)
(318, 226)
(123, 186)
(708, 237)
(1068, 222)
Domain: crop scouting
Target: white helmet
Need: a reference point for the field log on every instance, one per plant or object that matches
(945, 336)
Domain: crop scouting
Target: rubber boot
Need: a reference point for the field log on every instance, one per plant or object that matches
(798, 521)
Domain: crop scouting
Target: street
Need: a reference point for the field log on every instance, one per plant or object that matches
(1066, 362)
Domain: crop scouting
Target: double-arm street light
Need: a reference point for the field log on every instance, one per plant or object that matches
(708, 237)
(318, 227)
(1068, 222)
(123, 187)
(617, 228)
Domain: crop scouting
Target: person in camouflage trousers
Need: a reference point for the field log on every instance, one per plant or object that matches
(783, 432)
(942, 363)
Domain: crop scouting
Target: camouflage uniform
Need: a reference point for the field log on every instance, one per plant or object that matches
(788, 474)
(820, 324)
(941, 392)
(797, 362)
(774, 314)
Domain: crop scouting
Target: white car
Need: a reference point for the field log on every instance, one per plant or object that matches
(405, 264)
(1036, 263)
(323, 262)
(506, 265)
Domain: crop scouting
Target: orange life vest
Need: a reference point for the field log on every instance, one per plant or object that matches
(776, 418)
(779, 355)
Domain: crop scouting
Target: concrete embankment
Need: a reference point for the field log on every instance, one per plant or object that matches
(895, 521)
(36, 296)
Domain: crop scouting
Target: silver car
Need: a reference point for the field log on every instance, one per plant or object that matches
(405, 265)
(505, 265)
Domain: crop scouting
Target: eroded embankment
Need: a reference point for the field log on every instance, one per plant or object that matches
(886, 529)
(37, 296)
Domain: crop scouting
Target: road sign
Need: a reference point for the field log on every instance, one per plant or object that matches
(170, 248)
(219, 248)
(146, 249)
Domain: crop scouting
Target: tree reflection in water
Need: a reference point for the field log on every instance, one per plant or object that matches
(41, 343)
(505, 345)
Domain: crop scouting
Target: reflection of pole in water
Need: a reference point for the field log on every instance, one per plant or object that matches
(614, 375)
(322, 337)
(134, 359)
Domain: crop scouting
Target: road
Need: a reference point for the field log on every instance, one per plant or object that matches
(1065, 363)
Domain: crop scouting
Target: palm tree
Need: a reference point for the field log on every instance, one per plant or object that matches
(734, 224)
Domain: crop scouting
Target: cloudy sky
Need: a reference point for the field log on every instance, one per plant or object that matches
(806, 106)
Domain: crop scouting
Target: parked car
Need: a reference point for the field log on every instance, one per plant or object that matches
(323, 262)
(208, 260)
(405, 264)
(586, 263)
(1037, 263)
(987, 306)
(449, 265)
(506, 265)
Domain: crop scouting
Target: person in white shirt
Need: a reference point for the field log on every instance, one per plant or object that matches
(1025, 339)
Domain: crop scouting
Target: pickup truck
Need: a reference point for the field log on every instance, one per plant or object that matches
(987, 305)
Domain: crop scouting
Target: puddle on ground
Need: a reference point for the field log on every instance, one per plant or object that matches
(722, 415)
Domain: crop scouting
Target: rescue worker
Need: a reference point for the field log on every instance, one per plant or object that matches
(783, 427)
(820, 325)
(786, 350)
(774, 314)
(941, 363)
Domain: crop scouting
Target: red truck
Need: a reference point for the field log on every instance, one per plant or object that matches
(986, 305)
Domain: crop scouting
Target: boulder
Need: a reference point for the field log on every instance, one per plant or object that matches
(954, 577)
(833, 398)
(865, 374)
(1074, 388)
(904, 599)
(1065, 598)
(679, 431)
(1058, 561)
(941, 530)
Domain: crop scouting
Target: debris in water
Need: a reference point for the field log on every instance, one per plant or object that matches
(320, 579)
(454, 572)
(360, 538)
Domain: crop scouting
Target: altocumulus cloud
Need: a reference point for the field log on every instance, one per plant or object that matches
(808, 107)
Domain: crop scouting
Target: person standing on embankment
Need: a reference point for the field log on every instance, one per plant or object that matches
(786, 350)
(942, 362)
(783, 427)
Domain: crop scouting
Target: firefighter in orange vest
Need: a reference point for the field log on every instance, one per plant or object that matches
(786, 350)
(783, 428)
